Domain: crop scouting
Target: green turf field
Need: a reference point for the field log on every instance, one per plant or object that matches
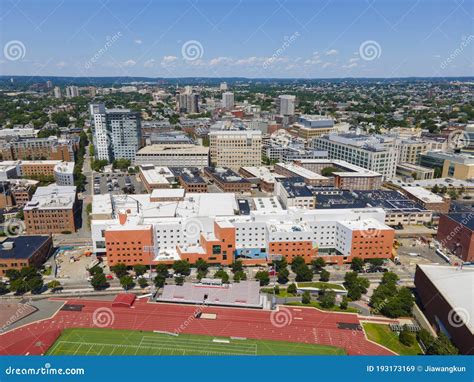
(128, 342)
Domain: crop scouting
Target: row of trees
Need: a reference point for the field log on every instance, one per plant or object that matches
(391, 300)
(27, 279)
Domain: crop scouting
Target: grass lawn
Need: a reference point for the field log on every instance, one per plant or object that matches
(283, 292)
(384, 336)
(315, 304)
(128, 342)
(320, 285)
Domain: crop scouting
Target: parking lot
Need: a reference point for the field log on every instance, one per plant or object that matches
(116, 183)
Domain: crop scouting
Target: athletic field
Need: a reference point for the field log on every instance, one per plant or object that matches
(128, 342)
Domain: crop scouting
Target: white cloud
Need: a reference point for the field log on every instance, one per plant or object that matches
(220, 60)
(61, 64)
(350, 66)
(354, 59)
(332, 52)
(168, 60)
(129, 63)
(250, 61)
(138, 41)
(150, 63)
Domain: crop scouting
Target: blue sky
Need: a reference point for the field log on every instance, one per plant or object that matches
(249, 38)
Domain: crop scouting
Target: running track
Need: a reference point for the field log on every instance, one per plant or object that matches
(305, 325)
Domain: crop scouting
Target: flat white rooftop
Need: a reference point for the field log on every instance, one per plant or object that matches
(173, 149)
(369, 224)
(301, 171)
(456, 286)
(52, 197)
(263, 173)
(168, 193)
(64, 167)
(156, 175)
(423, 194)
(267, 204)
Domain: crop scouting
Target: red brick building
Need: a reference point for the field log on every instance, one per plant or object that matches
(455, 232)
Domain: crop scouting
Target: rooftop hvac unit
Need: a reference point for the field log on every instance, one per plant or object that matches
(8, 245)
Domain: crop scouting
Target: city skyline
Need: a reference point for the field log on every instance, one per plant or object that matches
(238, 39)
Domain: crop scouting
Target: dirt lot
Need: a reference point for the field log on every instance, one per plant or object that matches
(73, 263)
(415, 251)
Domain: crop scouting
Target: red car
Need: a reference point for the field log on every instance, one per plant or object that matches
(110, 277)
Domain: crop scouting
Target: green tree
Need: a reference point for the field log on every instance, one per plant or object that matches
(139, 269)
(143, 283)
(306, 298)
(405, 337)
(328, 171)
(3, 288)
(121, 164)
(95, 270)
(223, 275)
(324, 276)
(263, 277)
(182, 267)
(318, 264)
(240, 276)
(237, 266)
(201, 274)
(399, 305)
(99, 281)
(442, 346)
(327, 298)
(344, 303)
(303, 273)
(292, 288)
(297, 261)
(283, 275)
(19, 286)
(126, 282)
(356, 286)
(54, 285)
(162, 270)
(159, 281)
(202, 266)
(179, 280)
(12, 274)
(120, 270)
(35, 284)
(357, 264)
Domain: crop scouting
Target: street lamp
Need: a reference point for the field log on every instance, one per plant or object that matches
(153, 251)
(274, 258)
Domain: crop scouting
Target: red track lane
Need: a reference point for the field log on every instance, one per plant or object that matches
(290, 324)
